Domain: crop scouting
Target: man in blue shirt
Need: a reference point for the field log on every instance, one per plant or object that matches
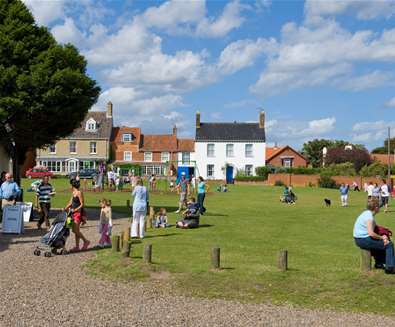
(366, 238)
(9, 191)
(344, 194)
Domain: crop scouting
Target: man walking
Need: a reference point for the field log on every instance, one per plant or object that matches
(9, 191)
(183, 187)
(43, 201)
(344, 194)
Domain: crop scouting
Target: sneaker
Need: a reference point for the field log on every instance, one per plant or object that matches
(85, 246)
(178, 211)
(379, 266)
(390, 270)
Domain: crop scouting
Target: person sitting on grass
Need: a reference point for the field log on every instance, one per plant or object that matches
(366, 238)
(105, 223)
(161, 219)
(191, 215)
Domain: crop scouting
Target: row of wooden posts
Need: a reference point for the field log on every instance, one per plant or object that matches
(123, 242)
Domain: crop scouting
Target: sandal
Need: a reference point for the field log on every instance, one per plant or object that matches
(75, 249)
(85, 246)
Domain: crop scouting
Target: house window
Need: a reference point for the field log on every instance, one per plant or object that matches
(164, 156)
(91, 125)
(52, 148)
(127, 156)
(54, 166)
(186, 158)
(92, 147)
(287, 162)
(229, 150)
(248, 170)
(73, 147)
(210, 171)
(148, 156)
(248, 151)
(210, 150)
(127, 137)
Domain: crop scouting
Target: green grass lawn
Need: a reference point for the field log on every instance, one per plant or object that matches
(250, 226)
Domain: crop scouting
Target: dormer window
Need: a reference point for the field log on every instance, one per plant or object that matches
(91, 125)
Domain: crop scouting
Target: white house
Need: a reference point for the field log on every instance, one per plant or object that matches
(222, 149)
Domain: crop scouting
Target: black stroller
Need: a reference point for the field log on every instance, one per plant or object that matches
(56, 237)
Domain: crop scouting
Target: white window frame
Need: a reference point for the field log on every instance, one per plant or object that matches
(249, 170)
(91, 125)
(210, 152)
(165, 156)
(75, 147)
(230, 154)
(210, 175)
(248, 154)
(127, 137)
(148, 156)
(188, 155)
(50, 150)
(90, 147)
(289, 161)
(127, 156)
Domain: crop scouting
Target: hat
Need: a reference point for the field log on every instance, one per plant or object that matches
(183, 173)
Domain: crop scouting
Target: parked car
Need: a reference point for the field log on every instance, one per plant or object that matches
(84, 173)
(38, 173)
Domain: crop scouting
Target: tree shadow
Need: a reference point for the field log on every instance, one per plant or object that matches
(205, 225)
(213, 214)
(162, 235)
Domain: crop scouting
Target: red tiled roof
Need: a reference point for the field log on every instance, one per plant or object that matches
(186, 145)
(118, 131)
(159, 143)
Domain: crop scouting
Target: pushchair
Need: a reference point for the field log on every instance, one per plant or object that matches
(56, 237)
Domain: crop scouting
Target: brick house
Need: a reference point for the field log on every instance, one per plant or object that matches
(154, 153)
(86, 147)
(284, 157)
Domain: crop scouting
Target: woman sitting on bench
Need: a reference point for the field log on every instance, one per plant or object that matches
(366, 238)
(191, 216)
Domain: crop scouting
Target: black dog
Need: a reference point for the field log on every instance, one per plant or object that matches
(328, 202)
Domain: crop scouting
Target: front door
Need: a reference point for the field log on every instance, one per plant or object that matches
(229, 174)
(72, 166)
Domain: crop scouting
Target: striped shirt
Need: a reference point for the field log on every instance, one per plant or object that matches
(44, 193)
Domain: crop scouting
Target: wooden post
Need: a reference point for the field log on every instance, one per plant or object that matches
(366, 259)
(147, 253)
(215, 258)
(127, 248)
(115, 243)
(121, 239)
(126, 235)
(151, 215)
(283, 260)
(128, 204)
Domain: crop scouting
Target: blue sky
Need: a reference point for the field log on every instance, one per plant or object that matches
(319, 69)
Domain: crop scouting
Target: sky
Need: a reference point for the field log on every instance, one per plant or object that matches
(319, 69)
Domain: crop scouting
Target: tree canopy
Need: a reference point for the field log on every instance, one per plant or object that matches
(384, 149)
(45, 91)
(313, 149)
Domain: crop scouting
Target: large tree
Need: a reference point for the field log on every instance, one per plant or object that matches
(313, 149)
(44, 88)
(358, 157)
(384, 149)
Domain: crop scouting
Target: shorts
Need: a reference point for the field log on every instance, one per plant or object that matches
(183, 196)
(384, 200)
(77, 217)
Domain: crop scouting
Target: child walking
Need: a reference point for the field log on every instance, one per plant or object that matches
(105, 223)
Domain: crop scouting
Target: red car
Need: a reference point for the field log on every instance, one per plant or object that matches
(38, 173)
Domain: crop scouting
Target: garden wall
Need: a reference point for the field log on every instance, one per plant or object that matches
(306, 180)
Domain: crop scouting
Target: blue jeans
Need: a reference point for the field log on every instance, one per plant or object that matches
(377, 248)
(200, 199)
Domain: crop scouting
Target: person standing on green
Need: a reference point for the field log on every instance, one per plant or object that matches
(43, 199)
(183, 187)
(201, 195)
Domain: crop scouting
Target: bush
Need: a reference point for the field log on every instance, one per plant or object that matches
(359, 157)
(326, 181)
(250, 178)
(279, 183)
(297, 170)
(375, 169)
(341, 169)
(264, 171)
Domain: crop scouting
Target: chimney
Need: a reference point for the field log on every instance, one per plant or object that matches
(175, 130)
(198, 119)
(109, 109)
(262, 119)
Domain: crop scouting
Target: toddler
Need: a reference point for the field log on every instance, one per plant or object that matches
(105, 223)
(161, 219)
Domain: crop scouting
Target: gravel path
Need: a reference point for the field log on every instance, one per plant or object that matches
(39, 291)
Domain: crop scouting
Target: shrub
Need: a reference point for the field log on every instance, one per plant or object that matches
(341, 169)
(375, 169)
(297, 170)
(326, 181)
(264, 171)
(279, 183)
(359, 157)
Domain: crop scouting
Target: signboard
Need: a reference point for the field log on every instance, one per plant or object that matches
(26, 209)
(13, 219)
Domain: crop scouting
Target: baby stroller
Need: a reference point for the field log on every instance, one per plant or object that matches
(56, 237)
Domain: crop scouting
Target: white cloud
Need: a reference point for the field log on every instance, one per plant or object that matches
(362, 9)
(230, 19)
(68, 33)
(391, 103)
(46, 11)
(367, 81)
(243, 53)
(373, 131)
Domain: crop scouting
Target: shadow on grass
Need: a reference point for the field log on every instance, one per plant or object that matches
(213, 214)
(162, 235)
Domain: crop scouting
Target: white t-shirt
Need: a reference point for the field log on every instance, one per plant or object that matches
(384, 190)
(370, 190)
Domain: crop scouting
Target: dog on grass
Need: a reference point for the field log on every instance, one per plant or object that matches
(328, 202)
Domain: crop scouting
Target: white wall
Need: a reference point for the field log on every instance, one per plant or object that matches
(192, 158)
(219, 160)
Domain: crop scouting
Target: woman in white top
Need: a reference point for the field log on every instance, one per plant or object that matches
(385, 194)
